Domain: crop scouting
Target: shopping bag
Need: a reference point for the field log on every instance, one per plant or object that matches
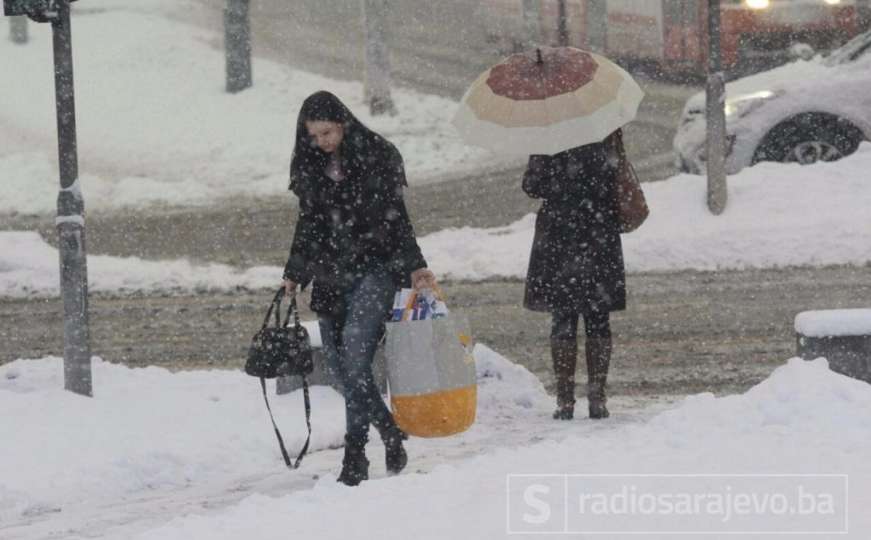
(431, 373)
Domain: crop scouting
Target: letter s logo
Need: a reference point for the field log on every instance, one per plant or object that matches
(542, 507)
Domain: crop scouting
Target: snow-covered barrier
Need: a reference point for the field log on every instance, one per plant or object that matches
(842, 336)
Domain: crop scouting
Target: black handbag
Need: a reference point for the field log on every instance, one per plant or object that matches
(282, 350)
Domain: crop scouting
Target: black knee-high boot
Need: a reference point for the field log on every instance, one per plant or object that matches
(598, 353)
(564, 354)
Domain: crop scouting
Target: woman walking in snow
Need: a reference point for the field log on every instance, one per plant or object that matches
(355, 242)
(576, 265)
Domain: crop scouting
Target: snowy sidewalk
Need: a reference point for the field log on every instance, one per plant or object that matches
(206, 444)
(201, 461)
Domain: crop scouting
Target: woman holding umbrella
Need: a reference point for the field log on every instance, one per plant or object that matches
(565, 107)
(354, 239)
(576, 265)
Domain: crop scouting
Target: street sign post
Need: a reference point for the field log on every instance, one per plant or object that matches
(715, 91)
(38, 10)
(70, 204)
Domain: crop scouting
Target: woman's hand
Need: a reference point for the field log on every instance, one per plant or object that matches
(423, 278)
(289, 288)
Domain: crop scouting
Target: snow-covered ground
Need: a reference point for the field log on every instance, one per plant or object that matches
(778, 215)
(207, 434)
(156, 126)
(156, 455)
(159, 455)
(833, 322)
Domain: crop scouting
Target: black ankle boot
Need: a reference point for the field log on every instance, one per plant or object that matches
(596, 400)
(395, 458)
(355, 466)
(564, 413)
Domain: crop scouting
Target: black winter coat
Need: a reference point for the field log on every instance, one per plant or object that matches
(350, 227)
(576, 264)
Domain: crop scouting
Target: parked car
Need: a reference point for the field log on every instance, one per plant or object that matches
(805, 111)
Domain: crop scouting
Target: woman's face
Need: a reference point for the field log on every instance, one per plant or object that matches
(327, 135)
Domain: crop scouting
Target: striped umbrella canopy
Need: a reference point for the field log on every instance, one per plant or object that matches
(546, 101)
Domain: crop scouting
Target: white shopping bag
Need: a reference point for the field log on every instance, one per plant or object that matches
(431, 372)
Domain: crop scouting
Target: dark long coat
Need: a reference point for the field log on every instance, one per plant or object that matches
(576, 264)
(350, 227)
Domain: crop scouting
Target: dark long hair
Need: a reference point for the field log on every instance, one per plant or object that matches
(360, 145)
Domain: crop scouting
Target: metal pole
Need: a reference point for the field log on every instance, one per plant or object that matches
(376, 80)
(70, 216)
(18, 29)
(531, 23)
(716, 115)
(863, 11)
(237, 45)
(562, 24)
(596, 27)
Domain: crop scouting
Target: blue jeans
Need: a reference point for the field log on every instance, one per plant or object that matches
(349, 342)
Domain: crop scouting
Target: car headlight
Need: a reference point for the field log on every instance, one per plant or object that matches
(758, 4)
(741, 106)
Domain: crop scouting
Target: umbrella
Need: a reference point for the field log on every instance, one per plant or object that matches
(546, 101)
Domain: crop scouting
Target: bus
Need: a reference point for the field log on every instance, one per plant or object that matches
(672, 34)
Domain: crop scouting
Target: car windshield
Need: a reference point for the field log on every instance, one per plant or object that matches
(853, 49)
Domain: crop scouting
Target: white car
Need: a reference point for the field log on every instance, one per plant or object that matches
(805, 111)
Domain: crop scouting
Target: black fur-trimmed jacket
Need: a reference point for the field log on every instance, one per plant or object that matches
(350, 227)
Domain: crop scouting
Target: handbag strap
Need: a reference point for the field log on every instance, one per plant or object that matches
(633, 175)
(617, 141)
(291, 310)
(308, 410)
(276, 305)
(276, 301)
(622, 158)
